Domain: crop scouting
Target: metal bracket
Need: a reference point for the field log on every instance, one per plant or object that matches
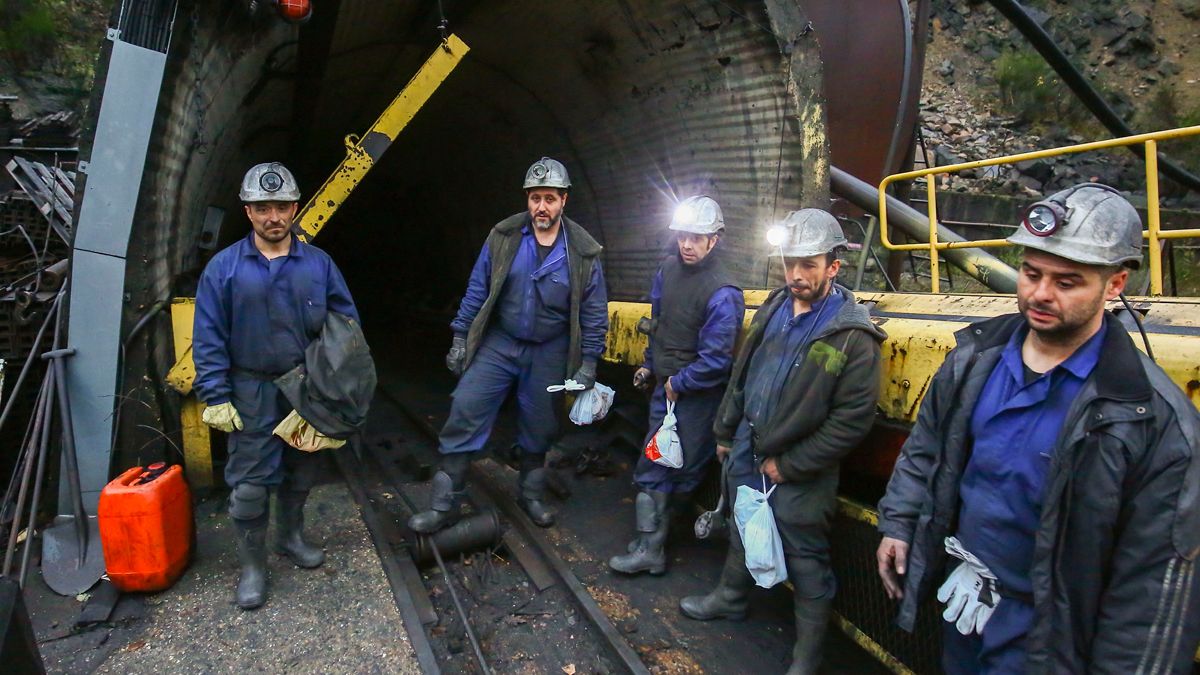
(113, 34)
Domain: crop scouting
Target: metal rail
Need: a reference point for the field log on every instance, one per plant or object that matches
(1154, 234)
(619, 648)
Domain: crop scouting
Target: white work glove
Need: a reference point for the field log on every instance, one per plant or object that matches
(222, 417)
(970, 591)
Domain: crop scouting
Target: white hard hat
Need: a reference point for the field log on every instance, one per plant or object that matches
(269, 182)
(1089, 223)
(808, 232)
(698, 215)
(547, 173)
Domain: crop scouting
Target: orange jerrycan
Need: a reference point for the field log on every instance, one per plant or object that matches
(145, 518)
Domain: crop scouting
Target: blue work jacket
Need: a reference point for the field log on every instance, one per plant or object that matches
(535, 302)
(714, 354)
(258, 316)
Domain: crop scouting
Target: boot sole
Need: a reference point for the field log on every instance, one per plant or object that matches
(249, 607)
(297, 563)
(735, 616)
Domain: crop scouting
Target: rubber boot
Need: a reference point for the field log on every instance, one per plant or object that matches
(252, 554)
(653, 521)
(532, 484)
(729, 599)
(289, 532)
(449, 487)
(812, 618)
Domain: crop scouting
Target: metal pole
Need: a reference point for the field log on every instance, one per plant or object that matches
(987, 268)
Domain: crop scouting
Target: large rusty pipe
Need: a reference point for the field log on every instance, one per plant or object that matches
(987, 268)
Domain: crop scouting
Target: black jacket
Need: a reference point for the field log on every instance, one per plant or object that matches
(333, 388)
(1113, 570)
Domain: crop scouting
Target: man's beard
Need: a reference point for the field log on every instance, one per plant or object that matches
(1069, 325)
(275, 238)
(545, 224)
(810, 294)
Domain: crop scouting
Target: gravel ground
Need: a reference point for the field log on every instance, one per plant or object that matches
(339, 618)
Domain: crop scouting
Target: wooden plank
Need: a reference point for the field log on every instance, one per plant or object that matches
(534, 566)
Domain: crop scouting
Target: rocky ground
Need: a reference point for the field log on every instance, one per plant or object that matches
(987, 95)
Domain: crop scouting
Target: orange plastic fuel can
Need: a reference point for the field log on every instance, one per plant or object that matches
(145, 518)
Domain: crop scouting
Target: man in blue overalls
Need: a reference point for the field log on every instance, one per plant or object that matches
(696, 311)
(801, 396)
(535, 313)
(1053, 472)
(260, 303)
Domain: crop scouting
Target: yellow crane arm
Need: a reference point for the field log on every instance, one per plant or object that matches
(363, 152)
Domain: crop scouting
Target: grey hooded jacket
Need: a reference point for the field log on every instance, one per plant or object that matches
(1114, 562)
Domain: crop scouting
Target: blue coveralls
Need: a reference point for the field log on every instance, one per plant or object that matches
(1014, 429)
(254, 318)
(700, 386)
(526, 345)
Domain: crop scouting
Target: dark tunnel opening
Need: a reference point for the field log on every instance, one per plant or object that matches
(640, 117)
(644, 105)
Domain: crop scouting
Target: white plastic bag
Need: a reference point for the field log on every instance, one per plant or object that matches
(592, 405)
(756, 524)
(664, 447)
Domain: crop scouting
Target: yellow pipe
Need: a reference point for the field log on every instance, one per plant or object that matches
(1152, 218)
(362, 153)
(935, 280)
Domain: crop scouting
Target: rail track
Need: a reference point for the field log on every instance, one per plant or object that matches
(544, 600)
(382, 481)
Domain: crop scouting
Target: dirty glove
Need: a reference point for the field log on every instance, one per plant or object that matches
(641, 379)
(970, 591)
(457, 355)
(586, 375)
(222, 417)
(298, 433)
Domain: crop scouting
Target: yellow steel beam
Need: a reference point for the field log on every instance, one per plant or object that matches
(197, 447)
(363, 153)
(918, 343)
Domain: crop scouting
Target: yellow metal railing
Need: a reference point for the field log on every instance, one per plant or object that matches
(1153, 234)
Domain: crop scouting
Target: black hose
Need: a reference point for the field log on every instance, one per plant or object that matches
(1083, 90)
(1137, 318)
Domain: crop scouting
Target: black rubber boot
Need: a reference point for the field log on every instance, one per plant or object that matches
(812, 617)
(252, 554)
(289, 532)
(532, 484)
(729, 599)
(449, 486)
(653, 522)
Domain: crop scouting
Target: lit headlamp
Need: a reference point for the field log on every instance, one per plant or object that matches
(776, 235)
(686, 214)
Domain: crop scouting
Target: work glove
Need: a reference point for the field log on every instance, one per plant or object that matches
(457, 355)
(641, 379)
(970, 591)
(222, 417)
(586, 375)
(298, 433)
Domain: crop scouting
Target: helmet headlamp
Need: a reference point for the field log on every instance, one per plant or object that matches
(1044, 218)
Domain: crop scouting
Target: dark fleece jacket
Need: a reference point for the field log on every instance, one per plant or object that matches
(827, 405)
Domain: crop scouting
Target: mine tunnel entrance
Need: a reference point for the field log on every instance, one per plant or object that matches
(645, 106)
